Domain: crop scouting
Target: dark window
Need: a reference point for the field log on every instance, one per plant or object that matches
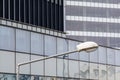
(35, 12)
(12, 9)
(17, 10)
(53, 14)
(57, 15)
(22, 10)
(40, 13)
(49, 14)
(1, 8)
(61, 15)
(31, 12)
(6, 9)
(27, 11)
(44, 4)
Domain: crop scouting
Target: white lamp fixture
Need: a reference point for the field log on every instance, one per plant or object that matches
(86, 46)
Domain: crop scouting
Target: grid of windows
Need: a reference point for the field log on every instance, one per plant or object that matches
(45, 13)
(19, 45)
(96, 20)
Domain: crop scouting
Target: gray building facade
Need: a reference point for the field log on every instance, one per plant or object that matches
(96, 20)
(20, 43)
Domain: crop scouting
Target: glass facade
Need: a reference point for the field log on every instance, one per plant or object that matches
(42, 13)
(18, 45)
(96, 20)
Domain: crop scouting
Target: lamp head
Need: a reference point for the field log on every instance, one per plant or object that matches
(88, 46)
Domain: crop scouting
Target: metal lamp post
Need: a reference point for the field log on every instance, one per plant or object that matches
(86, 46)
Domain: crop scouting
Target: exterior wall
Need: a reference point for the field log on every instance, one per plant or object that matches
(45, 13)
(95, 20)
(18, 45)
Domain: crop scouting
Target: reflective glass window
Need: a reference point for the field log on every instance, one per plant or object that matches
(50, 67)
(84, 70)
(7, 38)
(110, 56)
(36, 43)
(84, 56)
(61, 45)
(25, 77)
(37, 67)
(73, 69)
(117, 72)
(7, 77)
(22, 40)
(94, 71)
(117, 57)
(50, 45)
(111, 72)
(102, 72)
(94, 56)
(102, 55)
(62, 67)
(72, 46)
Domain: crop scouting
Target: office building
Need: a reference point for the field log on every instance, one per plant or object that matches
(22, 41)
(95, 20)
(44, 13)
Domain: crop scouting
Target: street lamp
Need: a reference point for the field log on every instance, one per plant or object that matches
(85, 46)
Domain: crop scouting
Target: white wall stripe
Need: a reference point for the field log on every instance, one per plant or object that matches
(92, 19)
(92, 4)
(93, 34)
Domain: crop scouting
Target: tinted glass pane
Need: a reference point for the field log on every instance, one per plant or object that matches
(111, 72)
(17, 10)
(27, 11)
(22, 10)
(37, 43)
(110, 56)
(22, 41)
(7, 38)
(117, 57)
(94, 71)
(31, 12)
(6, 5)
(40, 13)
(12, 9)
(7, 77)
(84, 70)
(50, 45)
(35, 12)
(102, 54)
(102, 72)
(1, 8)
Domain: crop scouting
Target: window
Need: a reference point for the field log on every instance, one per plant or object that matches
(22, 41)
(7, 38)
